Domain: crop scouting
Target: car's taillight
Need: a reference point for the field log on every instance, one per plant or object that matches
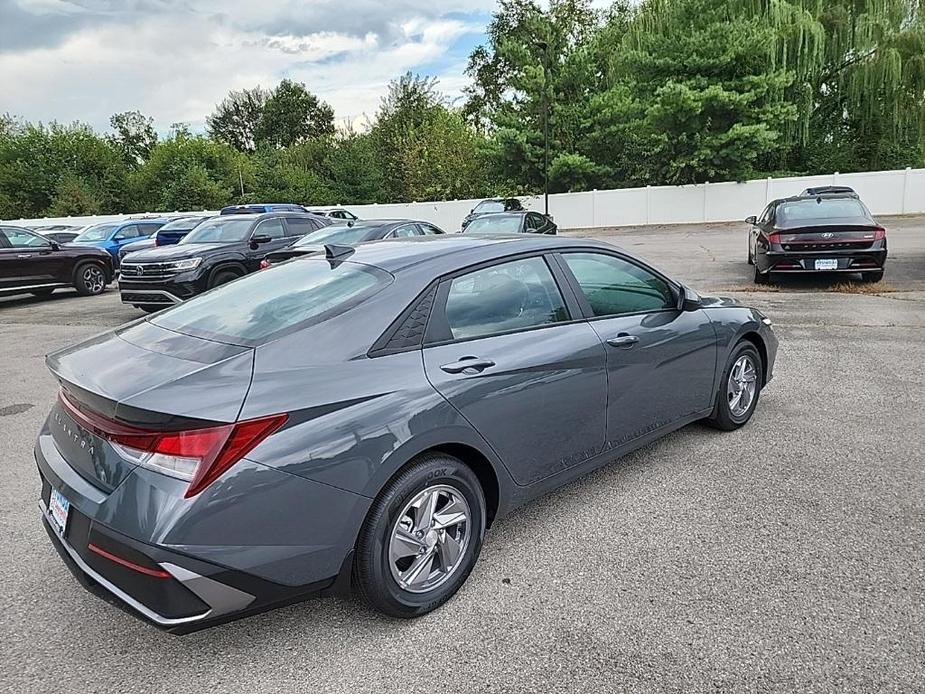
(774, 237)
(879, 234)
(157, 241)
(264, 264)
(199, 456)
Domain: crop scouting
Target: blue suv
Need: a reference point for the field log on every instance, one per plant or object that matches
(111, 236)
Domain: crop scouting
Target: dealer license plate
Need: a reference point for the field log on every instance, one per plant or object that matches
(831, 264)
(58, 508)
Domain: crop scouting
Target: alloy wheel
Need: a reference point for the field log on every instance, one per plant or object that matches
(93, 279)
(429, 538)
(742, 386)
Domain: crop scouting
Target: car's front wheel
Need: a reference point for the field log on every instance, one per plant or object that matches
(90, 279)
(739, 389)
(421, 538)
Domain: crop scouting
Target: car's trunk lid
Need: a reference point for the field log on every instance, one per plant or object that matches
(829, 236)
(142, 376)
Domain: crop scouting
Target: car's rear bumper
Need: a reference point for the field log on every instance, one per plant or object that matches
(845, 261)
(172, 591)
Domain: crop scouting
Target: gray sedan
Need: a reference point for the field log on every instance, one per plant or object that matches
(361, 417)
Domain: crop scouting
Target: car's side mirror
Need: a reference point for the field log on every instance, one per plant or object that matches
(54, 245)
(689, 300)
(751, 220)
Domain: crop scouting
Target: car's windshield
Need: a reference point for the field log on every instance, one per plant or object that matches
(824, 208)
(181, 224)
(257, 307)
(490, 206)
(334, 234)
(96, 233)
(495, 224)
(220, 230)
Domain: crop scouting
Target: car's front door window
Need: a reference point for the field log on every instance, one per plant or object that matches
(613, 286)
(20, 238)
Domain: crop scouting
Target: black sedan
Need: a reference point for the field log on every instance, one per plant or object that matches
(492, 205)
(361, 418)
(349, 233)
(823, 233)
(523, 222)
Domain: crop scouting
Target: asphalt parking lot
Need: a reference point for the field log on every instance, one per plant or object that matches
(786, 556)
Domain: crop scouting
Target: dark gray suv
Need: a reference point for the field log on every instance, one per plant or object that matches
(362, 416)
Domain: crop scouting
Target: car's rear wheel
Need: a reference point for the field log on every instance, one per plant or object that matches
(151, 309)
(761, 277)
(90, 279)
(751, 258)
(739, 389)
(421, 538)
(872, 276)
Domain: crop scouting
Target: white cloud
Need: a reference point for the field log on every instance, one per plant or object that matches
(176, 63)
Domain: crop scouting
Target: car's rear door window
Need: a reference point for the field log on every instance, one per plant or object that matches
(516, 295)
(613, 286)
(260, 306)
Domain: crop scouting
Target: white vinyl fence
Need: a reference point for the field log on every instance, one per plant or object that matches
(884, 192)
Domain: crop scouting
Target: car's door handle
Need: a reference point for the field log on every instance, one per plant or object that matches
(623, 340)
(474, 363)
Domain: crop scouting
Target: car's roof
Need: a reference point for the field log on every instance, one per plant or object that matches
(445, 252)
(506, 213)
(820, 196)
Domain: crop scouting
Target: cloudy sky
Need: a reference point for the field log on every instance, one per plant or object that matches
(175, 59)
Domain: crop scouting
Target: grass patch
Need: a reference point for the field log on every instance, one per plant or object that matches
(863, 288)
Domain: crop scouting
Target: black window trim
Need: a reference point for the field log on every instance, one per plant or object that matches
(437, 330)
(587, 312)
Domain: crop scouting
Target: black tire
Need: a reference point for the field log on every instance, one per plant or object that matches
(373, 576)
(90, 279)
(751, 258)
(41, 292)
(875, 276)
(151, 309)
(722, 416)
(761, 277)
(222, 277)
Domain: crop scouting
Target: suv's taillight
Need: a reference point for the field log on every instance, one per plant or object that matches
(264, 264)
(879, 234)
(199, 456)
(774, 237)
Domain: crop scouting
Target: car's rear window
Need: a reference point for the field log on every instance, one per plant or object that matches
(490, 206)
(334, 234)
(261, 306)
(832, 208)
(496, 224)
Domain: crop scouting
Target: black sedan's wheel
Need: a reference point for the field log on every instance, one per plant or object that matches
(90, 279)
(872, 276)
(739, 388)
(421, 538)
(761, 277)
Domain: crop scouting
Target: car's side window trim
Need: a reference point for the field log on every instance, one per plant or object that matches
(438, 330)
(583, 302)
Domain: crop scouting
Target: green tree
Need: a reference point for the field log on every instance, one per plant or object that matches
(535, 59)
(236, 118)
(427, 150)
(187, 172)
(35, 161)
(291, 115)
(74, 197)
(133, 135)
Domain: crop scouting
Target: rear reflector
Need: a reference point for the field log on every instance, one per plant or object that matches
(156, 573)
(199, 456)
